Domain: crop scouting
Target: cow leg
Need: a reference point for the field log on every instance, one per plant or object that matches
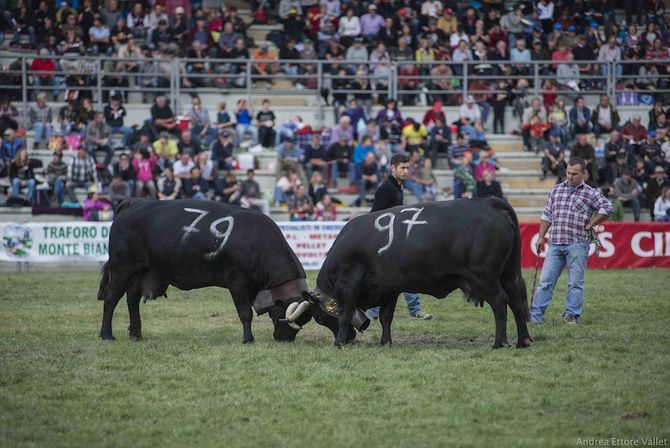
(113, 293)
(133, 297)
(242, 300)
(520, 316)
(386, 317)
(499, 307)
(347, 288)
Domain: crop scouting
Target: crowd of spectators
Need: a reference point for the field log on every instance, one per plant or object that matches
(363, 42)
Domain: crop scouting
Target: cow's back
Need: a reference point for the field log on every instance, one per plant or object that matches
(195, 243)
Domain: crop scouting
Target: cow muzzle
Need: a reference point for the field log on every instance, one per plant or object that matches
(328, 304)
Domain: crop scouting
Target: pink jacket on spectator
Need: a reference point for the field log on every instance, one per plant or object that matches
(481, 167)
(90, 205)
(144, 168)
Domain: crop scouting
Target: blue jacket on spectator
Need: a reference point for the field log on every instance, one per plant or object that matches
(8, 149)
(573, 115)
(360, 152)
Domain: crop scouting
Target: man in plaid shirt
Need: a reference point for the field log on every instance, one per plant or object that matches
(568, 219)
(81, 173)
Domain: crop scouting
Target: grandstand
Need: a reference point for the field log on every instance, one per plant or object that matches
(309, 86)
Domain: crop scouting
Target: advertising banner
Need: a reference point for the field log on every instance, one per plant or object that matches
(624, 245)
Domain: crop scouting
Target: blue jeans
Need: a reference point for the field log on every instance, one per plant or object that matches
(42, 132)
(125, 131)
(59, 188)
(473, 133)
(558, 256)
(335, 173)
(413, 305)
(16, 187)
(415, 188)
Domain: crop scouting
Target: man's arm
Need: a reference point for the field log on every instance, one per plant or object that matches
(605, 210)
(544, 228)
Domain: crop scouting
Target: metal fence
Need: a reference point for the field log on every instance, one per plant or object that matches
(327, 81)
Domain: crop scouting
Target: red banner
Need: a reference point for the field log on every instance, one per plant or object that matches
(624, 245)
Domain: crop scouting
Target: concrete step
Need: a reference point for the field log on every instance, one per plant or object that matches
(526, 182)
(526, 200)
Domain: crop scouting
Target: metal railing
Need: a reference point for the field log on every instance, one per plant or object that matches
(423, 82)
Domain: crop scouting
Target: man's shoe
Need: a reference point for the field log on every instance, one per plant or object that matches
(569, 319)
(543, 176)
(422, 316)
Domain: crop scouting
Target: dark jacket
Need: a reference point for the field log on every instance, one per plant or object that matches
(389, 194)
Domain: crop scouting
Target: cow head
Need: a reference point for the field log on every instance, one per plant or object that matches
(324, 309)
(285, 329)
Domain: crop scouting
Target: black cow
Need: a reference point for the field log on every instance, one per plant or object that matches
(472, 245)
(194, 244)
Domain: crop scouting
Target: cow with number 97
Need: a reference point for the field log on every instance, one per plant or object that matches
(195, 244)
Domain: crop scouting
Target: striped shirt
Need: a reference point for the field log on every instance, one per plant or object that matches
(569, 209)
(82, 170)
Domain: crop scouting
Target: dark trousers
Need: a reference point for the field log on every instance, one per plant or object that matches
(435, 148)
(498, 118)
(559, 171)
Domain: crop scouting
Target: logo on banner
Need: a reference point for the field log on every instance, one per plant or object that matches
(17, 240)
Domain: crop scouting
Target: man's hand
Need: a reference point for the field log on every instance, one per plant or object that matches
(539, 244)
(588, 227)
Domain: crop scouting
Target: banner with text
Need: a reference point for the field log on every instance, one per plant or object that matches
(625, 245)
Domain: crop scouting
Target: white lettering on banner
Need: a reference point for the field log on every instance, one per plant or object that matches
(660, 238)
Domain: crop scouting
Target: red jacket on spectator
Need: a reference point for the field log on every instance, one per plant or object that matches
(43, 65)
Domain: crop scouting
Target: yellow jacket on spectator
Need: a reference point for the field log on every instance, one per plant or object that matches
(414, 136)
(165, 150)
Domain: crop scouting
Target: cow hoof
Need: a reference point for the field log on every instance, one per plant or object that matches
(135, 337)
(107, 337)
(523, 344)
(249, 341)
(338, 345)
(498, 345)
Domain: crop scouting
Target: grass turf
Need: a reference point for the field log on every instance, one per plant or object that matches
(191, 382)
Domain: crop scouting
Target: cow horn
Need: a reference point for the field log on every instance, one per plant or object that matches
(296, 311)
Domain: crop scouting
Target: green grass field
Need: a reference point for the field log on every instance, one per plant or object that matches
(191, 382)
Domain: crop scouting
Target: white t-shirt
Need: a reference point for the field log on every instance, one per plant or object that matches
(349, 27)
(431, 8)
(545, 12)
(471, 113)
(181, 170)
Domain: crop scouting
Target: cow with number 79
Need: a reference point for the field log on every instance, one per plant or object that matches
(195, 244)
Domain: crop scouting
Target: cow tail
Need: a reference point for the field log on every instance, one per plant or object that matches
(515, 265)
(105, 278)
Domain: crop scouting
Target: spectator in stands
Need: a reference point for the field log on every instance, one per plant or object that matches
(23, 24)
(138, 21)
(95, 207)
(627, 190)
(585, 150)
(119, 190)
(371, 23)
(21, 175)
(162, 116)
(228, 189)
(613, 148)
(222, 151)
(343, 128)
(301, 207)
(567, 74)
(432, 114)
(558, 118)
(470, 120)
(358, 55)
(144, 163)
(414, 135)
(99, 37)
(98, 138)
(81, 173)
(182, 167)
(43, 71)
(649, 147)
(227, 40)
(611, 53)
(662, 206)
(580, 118)
(362, 149)
(40, 115)
(501, 99)
(57, 176)
(317, 187)
(554, 157)
(165, 149)
(315, 157)
(202, 130)
(114, 117)
(634, 134)
(244, 114)
(349, 27)
(252, 195)
(440, 139)
(464, 177)
(339, 159)
(265, 121)
(605, 117)
(483, 164)
(326, 210)
(162, 36)
(169, 186)
(488, 187)
(532, 115)
(208, 169)
(290, 157)
(110, 12)
(125, 169)
(367, 177)
(188, 144)
(654, 189)
(9, 147)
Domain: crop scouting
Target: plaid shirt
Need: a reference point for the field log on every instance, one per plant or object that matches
(569, 209)
(82, 170)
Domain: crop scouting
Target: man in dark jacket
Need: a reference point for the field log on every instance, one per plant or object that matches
(390, 194)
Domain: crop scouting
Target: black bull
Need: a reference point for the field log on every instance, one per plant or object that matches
(194, 244)
(472, 245)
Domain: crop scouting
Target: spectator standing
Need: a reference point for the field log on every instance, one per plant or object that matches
(265, 121)
(339, 157)
(440, 139)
